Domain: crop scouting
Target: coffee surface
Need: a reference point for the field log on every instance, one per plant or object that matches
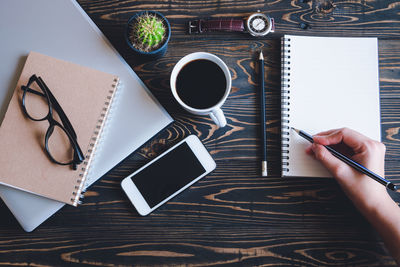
(201, 84)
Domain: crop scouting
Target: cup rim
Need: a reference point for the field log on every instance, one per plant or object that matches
(194, 56)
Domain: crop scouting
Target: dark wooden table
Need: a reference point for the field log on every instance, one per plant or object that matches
(233, 216)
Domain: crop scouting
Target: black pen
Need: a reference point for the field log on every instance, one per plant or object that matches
(350, 162)
(264, 171)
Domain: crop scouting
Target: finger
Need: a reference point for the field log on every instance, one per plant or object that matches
(333, 164)
(332, 137)
(327, 132)
(349, 137)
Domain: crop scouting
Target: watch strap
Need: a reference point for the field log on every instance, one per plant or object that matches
(200, 26)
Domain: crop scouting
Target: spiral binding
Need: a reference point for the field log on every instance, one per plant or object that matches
(285, 103)
(90, 179)
(80, 188)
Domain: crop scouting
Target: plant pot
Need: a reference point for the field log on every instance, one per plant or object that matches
(161, 48)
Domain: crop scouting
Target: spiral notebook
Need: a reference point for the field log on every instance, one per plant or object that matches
(327, 83)
(85, 95)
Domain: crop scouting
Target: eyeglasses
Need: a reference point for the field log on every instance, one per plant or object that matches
(61, 143)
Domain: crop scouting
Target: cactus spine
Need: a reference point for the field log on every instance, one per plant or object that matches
(147, 32)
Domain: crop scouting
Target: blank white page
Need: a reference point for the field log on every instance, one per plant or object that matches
(334, 83)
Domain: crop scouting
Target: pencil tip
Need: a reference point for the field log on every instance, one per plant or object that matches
(261, 56)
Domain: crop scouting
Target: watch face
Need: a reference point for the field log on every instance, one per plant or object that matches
(258, 24)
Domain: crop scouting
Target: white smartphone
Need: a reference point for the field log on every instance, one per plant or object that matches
(167, 175)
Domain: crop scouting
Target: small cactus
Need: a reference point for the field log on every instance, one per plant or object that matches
(147, 32)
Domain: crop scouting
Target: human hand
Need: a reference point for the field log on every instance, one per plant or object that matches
(365, 192)
(369, 196)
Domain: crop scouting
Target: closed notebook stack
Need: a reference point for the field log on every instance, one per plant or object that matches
(85, 96)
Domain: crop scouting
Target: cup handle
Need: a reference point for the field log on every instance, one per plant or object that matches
(218, 117)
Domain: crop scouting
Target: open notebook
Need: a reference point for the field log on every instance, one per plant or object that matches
(327, 83)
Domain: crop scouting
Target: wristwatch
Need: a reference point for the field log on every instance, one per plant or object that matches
(257, 24)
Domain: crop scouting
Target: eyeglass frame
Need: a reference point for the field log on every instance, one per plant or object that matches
(66, 125)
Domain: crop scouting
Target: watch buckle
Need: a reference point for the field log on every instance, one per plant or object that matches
(272, 24)
(195, 26)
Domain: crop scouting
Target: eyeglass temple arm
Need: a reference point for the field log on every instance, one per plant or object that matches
(60, 111)
(32, 91)
(26, 88)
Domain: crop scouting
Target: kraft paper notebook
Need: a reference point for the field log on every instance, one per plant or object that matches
(85, 95)
(327, 83)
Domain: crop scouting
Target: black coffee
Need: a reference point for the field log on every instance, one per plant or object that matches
(201, 84)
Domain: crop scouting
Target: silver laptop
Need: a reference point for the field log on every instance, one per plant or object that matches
(63, 30)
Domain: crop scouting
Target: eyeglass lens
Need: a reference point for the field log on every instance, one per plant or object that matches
(36, 104)
(59, 145)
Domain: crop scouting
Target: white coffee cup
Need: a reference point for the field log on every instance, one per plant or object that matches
(215, 111)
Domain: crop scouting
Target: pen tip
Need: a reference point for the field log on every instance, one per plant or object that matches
(296, 130)
(261, 56)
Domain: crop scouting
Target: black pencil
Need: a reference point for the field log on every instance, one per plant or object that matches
(264, 170)
(351, 162)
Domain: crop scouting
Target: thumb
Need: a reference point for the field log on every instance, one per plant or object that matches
(333, 164)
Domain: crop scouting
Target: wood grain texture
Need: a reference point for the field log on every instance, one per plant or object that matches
(233, 216)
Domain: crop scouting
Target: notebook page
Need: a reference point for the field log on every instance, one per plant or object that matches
(334, 83)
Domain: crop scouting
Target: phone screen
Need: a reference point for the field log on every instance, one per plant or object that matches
(168, 174)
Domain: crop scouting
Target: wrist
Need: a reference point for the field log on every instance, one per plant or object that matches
(366, 194)
(385, 218)
(375, 206)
